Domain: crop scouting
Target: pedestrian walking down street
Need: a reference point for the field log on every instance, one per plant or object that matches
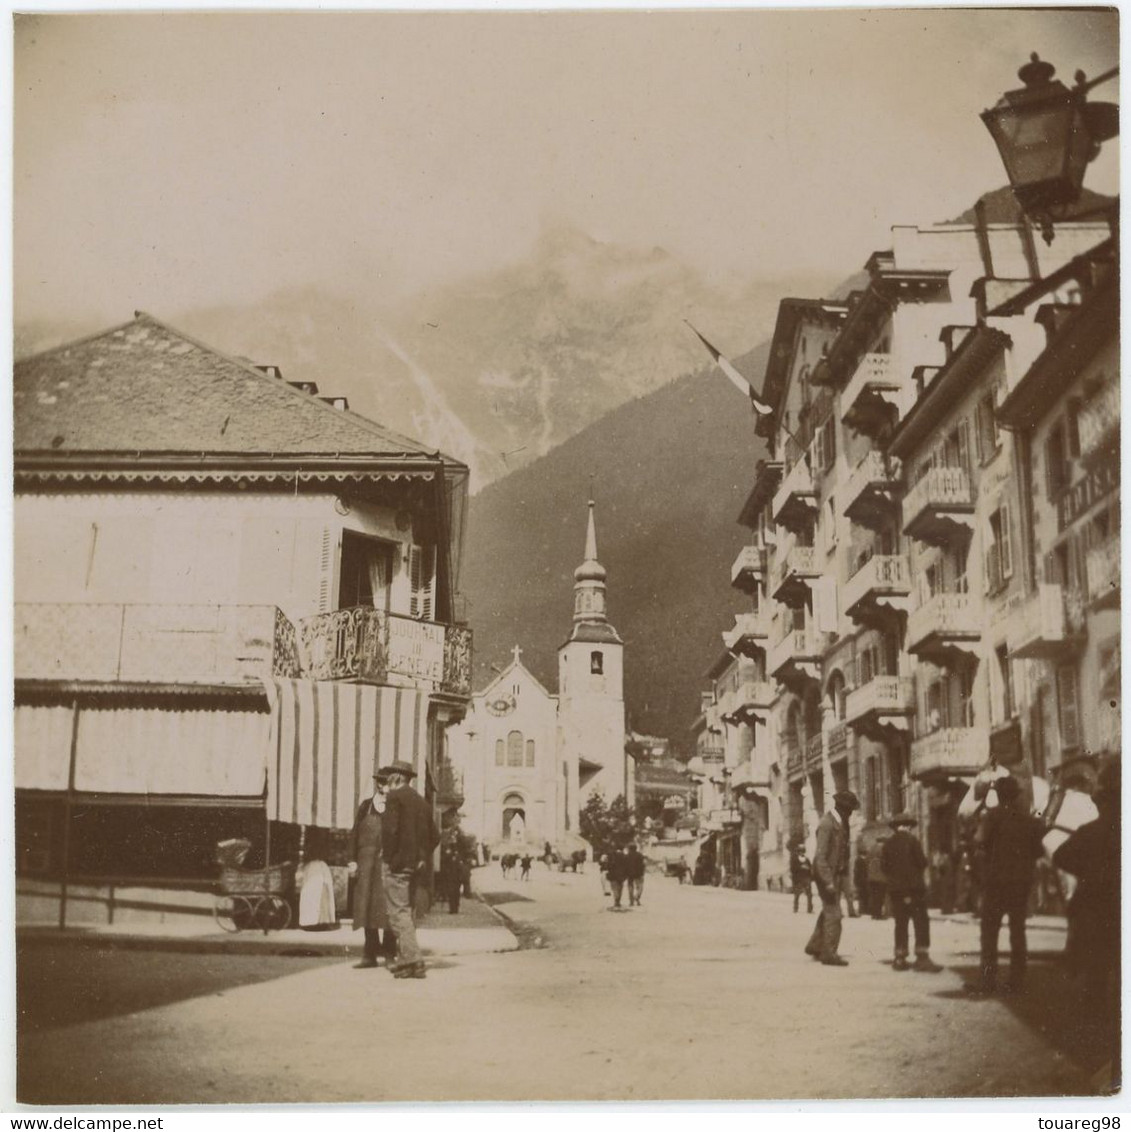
(1011, 844)
(369, 910)
(617, 871)
(603, 874)
(801, 877)
(527, 861)
(408, 838)
(903, 863)
(634, 874)
(830, 867)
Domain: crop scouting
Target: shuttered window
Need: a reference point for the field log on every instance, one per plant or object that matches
(422, 567)
(514, 748)
(500, 753)
(529, 752)
(1068, 707)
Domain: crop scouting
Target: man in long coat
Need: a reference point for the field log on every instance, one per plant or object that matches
(903, 863)
(408, 838)
(369, 911)
(830, 868)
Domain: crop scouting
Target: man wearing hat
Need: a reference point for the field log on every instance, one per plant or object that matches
(830, 869)
(408, 838)
(903, 862)
(369, 911)
(1011, 843)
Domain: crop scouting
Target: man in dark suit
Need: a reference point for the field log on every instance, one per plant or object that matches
(830, 869)
(408, 838)
(903, 862)
(1011, 844)
(634, 874)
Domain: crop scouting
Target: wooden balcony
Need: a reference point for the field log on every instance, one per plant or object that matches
(946, 629)
(370, 646)
(1049, 624)
(796, 571)
(871, 492)
(879, 590)
(950, 751)
(749, 569)
(882, 707)
(796, 658)
(795, 504)
(1102, 567)
(871, 400)
(750, 702)
(215, 645)
(1098, 425)
(750, 635)
(939, 509)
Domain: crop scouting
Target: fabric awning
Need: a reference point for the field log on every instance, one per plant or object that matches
(314, 749)
(327, 738)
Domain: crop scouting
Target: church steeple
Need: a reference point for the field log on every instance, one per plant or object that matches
(589, 600)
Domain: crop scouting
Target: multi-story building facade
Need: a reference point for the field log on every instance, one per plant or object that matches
(885, 528)
(233, 599)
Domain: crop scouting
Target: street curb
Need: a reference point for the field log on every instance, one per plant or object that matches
(294, 943)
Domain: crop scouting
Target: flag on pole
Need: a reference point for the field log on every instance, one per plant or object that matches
(740, 383)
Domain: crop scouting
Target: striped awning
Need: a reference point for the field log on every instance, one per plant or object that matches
(327, 739)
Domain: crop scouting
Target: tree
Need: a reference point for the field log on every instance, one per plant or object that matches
(606, 827)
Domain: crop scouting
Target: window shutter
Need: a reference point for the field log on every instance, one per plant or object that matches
(529, 752)
(325, 575)
(1072, 427)
(1005, 554)
(980, 432)
(964, 446)
(422, 569)
(1067, 707)
(500, 753)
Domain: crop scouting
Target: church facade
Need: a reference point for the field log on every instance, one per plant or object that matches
(530, 759)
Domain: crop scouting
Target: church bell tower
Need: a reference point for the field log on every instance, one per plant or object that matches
(591, 691)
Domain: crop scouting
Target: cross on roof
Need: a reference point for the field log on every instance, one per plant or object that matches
(517, 654)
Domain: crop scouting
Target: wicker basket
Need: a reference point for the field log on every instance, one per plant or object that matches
(277, 880)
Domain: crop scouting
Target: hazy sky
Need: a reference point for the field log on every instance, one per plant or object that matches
(170, 160)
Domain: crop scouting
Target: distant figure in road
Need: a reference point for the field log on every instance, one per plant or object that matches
(451, 870)
(801, 877)
(369, 910)
(527, 861)
(903, 863)
(877, 881)
(634, 874)
(860, 877)
(603, 874)
(1011, 844)
(618, 874)
(408, 838)
(1092, 855)
(830, 868)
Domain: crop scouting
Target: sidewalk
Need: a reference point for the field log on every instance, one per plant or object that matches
(475, 929)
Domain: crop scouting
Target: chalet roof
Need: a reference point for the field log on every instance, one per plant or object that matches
(146, 389)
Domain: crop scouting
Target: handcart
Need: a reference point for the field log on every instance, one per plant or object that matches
(251, 899)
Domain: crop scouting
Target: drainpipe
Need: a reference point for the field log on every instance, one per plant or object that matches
(67, 804)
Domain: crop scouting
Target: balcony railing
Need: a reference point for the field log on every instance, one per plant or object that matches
(370, 645)
(797, 561)
(870, 488)
(1098, 421)
(874, 371)
(939, 506)
(881, 696)
(951, 750)
(749, 569)
(872, 393)
(758, 694)
(798, 646)
(1042, 627)
(1102, 568)
(945, 617)
(751, 631)
(153, 644)
(882, 577)
(796, 491)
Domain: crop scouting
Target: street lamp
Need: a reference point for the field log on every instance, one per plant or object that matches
(1047, 134)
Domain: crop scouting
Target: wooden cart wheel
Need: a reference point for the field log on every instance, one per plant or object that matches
(276, 913)
(231, 912)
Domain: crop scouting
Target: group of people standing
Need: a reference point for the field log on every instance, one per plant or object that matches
(394, 837)
(623, 865)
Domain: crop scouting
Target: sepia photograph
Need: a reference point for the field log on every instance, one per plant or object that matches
(608, 517)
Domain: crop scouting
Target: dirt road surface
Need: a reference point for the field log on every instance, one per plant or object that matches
(700, 993)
